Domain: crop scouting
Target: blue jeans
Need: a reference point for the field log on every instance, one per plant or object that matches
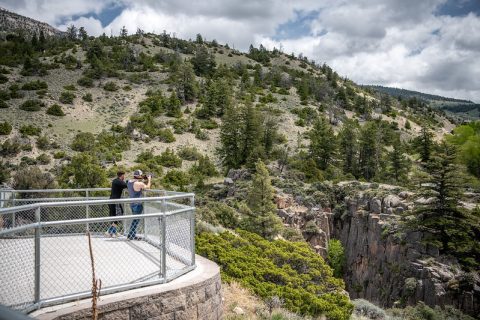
(137, 208)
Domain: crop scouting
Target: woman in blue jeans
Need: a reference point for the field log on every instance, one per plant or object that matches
(135, 190)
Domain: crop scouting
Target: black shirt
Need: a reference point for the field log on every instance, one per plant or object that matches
(117, 188)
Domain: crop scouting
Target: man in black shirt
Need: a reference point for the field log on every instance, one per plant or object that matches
(118, 184)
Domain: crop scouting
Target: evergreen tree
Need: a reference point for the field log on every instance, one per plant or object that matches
(173, 106)
(186, 85)
(199, 39)
(444, 223)
(230, 150)
(349, 147)
(322, 143)
(262, 218)
(426, 144)
(398, 163)
(203, 62)
(82, 34)
(123, 32)
(217, 99)
(72, 32)
(370, 150)
(251, 133)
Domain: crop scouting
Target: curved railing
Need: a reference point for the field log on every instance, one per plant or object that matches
(44, 253)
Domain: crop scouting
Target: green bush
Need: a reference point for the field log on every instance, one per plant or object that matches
(67, 97)
(85, 82)
(69, 87)
(84, 171)
(30, 130)
(35, 85)
(55, 110)
(204, 168)
(3, 105)
(165, 135)
(169, 159)
(290, 270)
(189, 153)
(32, 105)
(83, 141)
(41, 93)
(110, 86)
(10, 148)
(3, 79)
(87, 97)
(43, 143)
(5, 128)
(219, 214)
(176, 179)
(43, 159)
(59, 155)
(336, 257)
(4, 95)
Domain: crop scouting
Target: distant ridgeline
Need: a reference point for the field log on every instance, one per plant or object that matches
(464, 108)
(14, 23)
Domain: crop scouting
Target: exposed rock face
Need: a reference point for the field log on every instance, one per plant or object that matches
(385, 268)
(382, 265)
(12, 22)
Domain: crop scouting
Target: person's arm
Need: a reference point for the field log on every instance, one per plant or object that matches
(149, 183)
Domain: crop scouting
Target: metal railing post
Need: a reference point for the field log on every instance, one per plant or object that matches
(13, 214)
(164, 242)
(37, 255)
(192, 229)
(87, 209)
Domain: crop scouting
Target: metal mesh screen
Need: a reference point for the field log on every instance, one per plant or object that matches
(44, 253)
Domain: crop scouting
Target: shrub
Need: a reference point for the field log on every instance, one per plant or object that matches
(59, 155)
(189, 153)
(69, 87)
(219, 214)
(32, 105)
(169, 159)
(3, 105)
(43, 159)
(5, 128)
(336, 257)
(41, 93)
(84, 171)
(290, 270)
(368, 309)
(4, 95)
(35, 85)
(110, 86)
(10, 147)
(175, 178)
(87, 97)
(83, 141)
(201, 134)
(33, 178)
(67, 97)
(43, 143)
(3, 78)
(85, 82)
(55, 110)
(204, 167)
(166, 135)
(30, 130)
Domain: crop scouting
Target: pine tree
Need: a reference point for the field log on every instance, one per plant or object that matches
(72, 32)
(370, 150)
(186, 85)
(203, 62)
(349, 147)
(123, 32)
(251, 133)
(82, 34)
(230, 150)
(398, 164)
(444, 223)
(426, 144)
(262, 219)
(322, 143)
(173, 106)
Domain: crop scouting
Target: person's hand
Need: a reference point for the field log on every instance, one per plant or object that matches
(149, 177)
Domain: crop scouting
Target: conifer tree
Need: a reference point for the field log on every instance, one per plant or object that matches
(231, 147)
(186, 85)
(426, 144)
(349, 147)
(262, 219)
(322, 143)
(203, 62)
(173, 106)
(398, 163)
(370, 150)
(251, 133)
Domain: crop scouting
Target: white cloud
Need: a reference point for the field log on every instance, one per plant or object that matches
(388, 42)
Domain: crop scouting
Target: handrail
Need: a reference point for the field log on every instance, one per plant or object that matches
(71, 190)
(91, 202)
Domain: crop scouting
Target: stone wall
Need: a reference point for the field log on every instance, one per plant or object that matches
(194, 296)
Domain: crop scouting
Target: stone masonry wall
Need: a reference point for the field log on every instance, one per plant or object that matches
(198, 298)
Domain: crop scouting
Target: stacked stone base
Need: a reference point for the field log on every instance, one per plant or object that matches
(194, 296)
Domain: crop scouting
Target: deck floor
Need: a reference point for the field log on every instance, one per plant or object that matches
(66, 267)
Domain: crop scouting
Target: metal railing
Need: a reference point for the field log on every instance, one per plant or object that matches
(44, 254)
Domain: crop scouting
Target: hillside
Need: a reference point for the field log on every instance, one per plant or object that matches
(12, 22)
(306, 183)
(457, 108)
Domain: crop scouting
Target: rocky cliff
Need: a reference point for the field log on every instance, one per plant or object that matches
(12, 22)
(383, 264)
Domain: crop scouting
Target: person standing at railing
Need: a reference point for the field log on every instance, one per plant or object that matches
(135, 190)
(116, 209)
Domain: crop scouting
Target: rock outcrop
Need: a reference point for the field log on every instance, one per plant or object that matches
(12, 22)
(383, 264)
(388, 267)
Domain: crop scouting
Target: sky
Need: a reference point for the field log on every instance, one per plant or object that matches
(431, 46)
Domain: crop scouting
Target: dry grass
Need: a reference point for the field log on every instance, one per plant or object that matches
(236, 296)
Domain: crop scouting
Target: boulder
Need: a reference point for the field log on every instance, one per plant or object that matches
(228, 181)
(375, 205)
(238, 311)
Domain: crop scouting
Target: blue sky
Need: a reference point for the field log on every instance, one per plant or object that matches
(426, 45)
